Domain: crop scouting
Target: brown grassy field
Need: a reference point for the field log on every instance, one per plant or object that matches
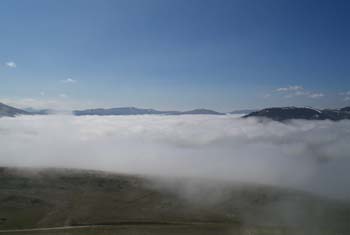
(124, 204)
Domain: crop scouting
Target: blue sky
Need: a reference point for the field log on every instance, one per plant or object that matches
(178, 54)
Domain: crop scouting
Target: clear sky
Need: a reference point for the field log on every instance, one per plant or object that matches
(178, 54)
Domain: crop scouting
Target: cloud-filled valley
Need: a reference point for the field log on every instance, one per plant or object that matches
(307, 155)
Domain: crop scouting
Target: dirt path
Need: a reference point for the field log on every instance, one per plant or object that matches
(123, 223)
(46, 229)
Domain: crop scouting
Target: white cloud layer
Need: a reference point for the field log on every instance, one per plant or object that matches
(316, 95)
(290, 88)
(69, 80)
(11, 64)
(347, 93)
(309, 155)
(63, 95)
(297, 91)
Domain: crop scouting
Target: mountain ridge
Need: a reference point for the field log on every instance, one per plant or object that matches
(140, 111)
(9, 111)
(305, 113)
(274, 113)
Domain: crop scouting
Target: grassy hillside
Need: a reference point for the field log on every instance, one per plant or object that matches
(136, 205)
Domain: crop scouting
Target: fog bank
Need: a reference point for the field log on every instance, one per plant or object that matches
(308, 155)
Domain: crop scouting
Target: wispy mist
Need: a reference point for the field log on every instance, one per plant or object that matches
(308, 155)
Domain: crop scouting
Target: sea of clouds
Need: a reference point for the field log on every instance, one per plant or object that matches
(307, 155)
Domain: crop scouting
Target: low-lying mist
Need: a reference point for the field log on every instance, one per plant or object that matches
(307, 155)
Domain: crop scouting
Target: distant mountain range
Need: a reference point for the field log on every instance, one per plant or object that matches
(277, 113)
(346, 109)
(39, 111)
(306, 113)
(243, 111)
(8, 111)
(139, 111)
